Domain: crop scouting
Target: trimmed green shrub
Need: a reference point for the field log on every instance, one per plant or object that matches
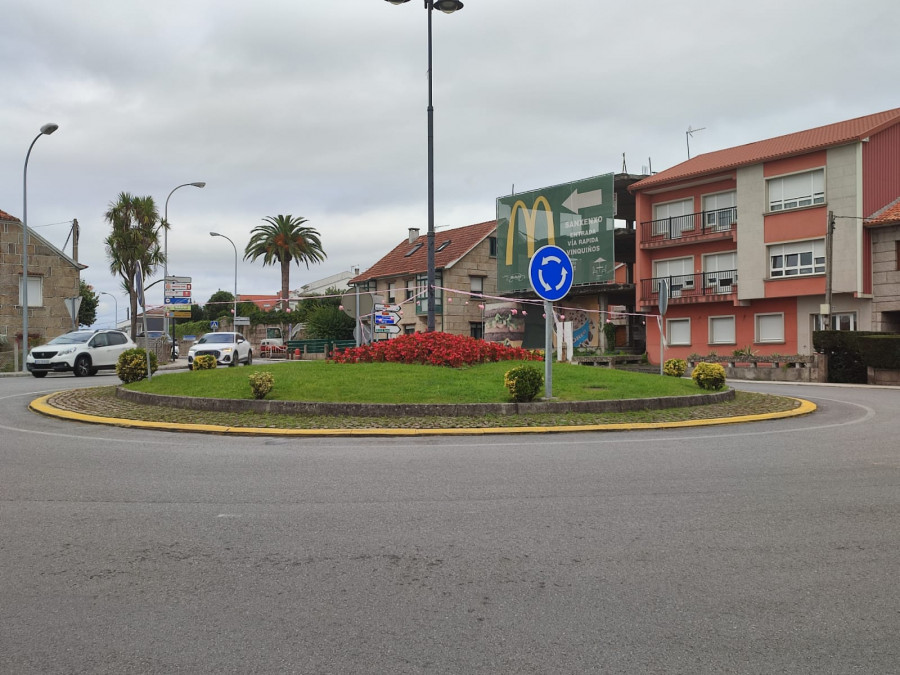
(261, 384)
(523, 383)
(205, 362)
(709, 376)
(881, 351)
(132, 365)
(675, 367)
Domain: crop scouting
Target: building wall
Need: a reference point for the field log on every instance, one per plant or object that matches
(885, 276)
(60, 281)
(843, 196)
(752, 261)
(882, 170)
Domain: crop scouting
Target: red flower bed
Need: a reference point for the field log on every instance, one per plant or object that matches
(435, 349)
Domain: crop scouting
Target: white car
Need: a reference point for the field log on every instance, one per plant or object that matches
(82, 352)
(228, 348)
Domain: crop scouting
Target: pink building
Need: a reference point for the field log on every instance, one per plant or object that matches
(739, 235)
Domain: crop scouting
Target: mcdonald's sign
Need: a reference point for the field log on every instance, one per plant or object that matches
(578, 217)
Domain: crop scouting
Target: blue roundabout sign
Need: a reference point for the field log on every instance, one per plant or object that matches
(550, 272)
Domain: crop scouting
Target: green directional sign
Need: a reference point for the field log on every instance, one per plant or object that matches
(578, 217)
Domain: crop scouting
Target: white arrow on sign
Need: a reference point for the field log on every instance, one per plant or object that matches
(583, 200)
(564, 274)
(391, 329)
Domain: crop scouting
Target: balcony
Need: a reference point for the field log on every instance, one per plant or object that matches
(690, 228)
(691, 288)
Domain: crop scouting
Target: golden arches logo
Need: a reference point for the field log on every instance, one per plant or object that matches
(530, 223)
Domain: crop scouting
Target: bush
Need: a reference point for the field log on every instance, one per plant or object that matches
(261, 384)
(205, 362)
(435, 349)
(675, 367)
(523, 383)
(709, 376)
(132, 365)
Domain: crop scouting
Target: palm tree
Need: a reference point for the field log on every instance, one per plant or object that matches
(134, 238)
(283, 239)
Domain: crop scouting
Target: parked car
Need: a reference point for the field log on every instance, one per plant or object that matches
(82, 352)
(228, 348)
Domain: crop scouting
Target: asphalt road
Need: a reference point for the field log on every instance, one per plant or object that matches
(771, 547)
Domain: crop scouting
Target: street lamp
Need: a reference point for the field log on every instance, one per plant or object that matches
(448, 7)
(198, 184)
(46, 130)
(116, 322)
(216, 234)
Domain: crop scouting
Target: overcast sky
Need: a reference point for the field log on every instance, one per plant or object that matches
(317, 108)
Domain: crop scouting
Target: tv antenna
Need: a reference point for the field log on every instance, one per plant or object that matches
(688, 135)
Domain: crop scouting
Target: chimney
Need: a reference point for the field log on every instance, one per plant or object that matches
(413, 234)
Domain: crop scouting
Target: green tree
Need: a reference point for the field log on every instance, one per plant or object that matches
(281, 240)
(219, 304)
(134, 239)
(329, 323)
(87, 312)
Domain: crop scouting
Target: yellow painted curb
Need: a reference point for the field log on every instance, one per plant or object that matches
(41, 405)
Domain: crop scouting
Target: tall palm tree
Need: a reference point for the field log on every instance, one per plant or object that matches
(283, 239)
(134, 238)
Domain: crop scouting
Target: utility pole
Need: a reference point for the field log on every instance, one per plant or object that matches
(829, 247)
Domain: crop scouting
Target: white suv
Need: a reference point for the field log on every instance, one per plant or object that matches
(82, 352)
(228, 348)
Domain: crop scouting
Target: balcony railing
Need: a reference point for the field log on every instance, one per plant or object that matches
(689, 226)
(691, 286)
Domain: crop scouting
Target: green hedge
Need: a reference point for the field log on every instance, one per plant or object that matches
(881, 351)
(850, 352)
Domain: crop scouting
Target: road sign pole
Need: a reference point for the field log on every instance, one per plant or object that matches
(548, 349)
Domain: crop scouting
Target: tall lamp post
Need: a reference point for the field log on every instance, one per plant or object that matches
(448, 7)
(198, 184)
(46, 130)
(216, 234)
(116, 322)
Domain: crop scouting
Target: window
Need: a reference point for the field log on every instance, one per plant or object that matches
(797, 190)
(770, 328)
(719, 271)
(477, 285)
(797, 259)
(678, 331)
(409, 329)
(719, 210)
(413, 249)
(839, 321)
(391, 292)
(443, 245)
(476, 330)
(492, 247)
(721, 330)
(117, 338)
(410, 289)
(35, 292)
(673, 218)
(679, 273)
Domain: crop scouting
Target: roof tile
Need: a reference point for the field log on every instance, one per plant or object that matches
(797, 143)
(397, 263)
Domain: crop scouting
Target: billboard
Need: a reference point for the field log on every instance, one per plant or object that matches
(578, 217)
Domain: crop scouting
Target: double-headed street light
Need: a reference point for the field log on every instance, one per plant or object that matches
(448, 7)
(198, 184)
(46, 130)
(216, 234)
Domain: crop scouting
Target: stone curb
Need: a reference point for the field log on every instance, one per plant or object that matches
(420, 409)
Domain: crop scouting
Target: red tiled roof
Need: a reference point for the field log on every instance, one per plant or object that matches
(5, 216)
(397, 263)
(264, 302)
(890, 215)
(798, 143)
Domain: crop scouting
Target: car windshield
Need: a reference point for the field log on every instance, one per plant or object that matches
(217, 338)
(72, 338)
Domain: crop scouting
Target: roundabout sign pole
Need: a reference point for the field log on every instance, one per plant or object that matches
(550, 272)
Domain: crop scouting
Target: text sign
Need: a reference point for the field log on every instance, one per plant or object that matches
(390, 329)
(381, 307)
(577, 217)
(386, 318)
(178, 280)
(178, 301)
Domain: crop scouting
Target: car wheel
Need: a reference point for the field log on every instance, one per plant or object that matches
(82, 366)
(250, 358)
(233, 362)
(94, 371)
(39, 373)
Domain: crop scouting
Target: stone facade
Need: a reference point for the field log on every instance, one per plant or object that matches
(59, 277)
(886, 278)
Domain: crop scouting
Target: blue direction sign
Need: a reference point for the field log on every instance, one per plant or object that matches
(550, 273)
(177, 301)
